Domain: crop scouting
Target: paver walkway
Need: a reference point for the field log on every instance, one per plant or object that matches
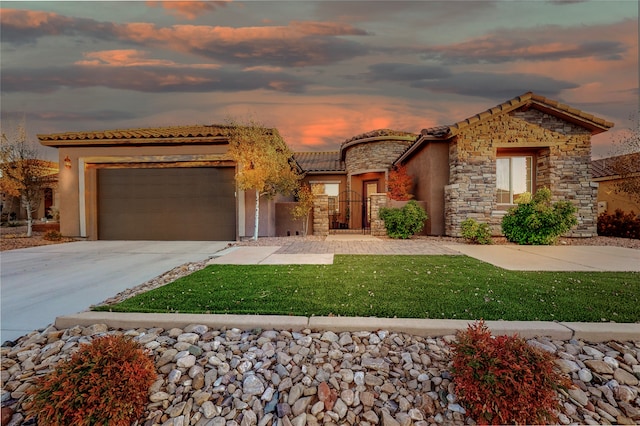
(372, 246)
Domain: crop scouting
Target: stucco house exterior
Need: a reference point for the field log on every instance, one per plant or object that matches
(607, 173)
(178, 182)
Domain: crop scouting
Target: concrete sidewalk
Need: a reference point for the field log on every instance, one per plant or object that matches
(556, 258)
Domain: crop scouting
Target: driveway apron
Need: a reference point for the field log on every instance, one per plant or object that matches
(41, 283)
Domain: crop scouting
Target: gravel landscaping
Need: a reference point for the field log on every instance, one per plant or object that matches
(266, 377)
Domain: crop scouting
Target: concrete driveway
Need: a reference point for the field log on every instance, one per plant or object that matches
(40, 283)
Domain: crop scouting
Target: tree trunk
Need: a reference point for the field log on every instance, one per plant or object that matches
(27, 206)
(255, 226)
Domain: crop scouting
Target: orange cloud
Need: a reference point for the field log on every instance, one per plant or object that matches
(132, 58)
(26, 18)
(188, 9)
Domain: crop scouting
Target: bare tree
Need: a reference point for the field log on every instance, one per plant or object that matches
(626, 163)
(264, 161)
(22, 173)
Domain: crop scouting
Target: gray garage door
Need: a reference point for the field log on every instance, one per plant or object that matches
(167, 204)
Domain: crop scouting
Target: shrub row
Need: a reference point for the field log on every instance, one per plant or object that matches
(619, 224)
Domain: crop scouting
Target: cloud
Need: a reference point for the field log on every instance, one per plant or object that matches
(147, 79)
(295, 45)
(188, 9)
(499, 86)
(549, 42)
(395, 71)
(26, 26)
(132, 58)
(298, 44)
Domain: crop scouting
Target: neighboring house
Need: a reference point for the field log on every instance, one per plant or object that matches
(11, 207)
(178, 183)
(608, 174)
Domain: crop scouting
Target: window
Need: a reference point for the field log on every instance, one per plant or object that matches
(514, 175)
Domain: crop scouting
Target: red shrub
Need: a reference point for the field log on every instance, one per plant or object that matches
(503, 380)
(619, 224)
(104, 383)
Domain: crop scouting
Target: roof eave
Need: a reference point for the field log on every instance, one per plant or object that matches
(61, 143)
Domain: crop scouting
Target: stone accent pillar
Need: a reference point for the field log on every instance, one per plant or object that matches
(377, 225)
(321, 215)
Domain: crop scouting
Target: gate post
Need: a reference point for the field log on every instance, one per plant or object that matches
(321, 215)
(377, 225)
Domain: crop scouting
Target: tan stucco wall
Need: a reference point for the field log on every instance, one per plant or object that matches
(607, 194)
(429, 169)
(77, 185)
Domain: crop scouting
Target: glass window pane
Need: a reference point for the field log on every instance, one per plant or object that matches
(502, 180)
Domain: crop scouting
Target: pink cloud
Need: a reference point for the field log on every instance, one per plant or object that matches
(188, 9)
(132, 58)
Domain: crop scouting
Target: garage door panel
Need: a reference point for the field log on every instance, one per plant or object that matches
(167, 204)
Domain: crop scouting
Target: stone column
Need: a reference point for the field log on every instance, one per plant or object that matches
(321, 215)
(377, 225)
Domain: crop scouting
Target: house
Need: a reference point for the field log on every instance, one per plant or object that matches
(177, 183)
(609, 173)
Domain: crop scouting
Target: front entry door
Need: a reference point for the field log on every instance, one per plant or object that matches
(368, 187)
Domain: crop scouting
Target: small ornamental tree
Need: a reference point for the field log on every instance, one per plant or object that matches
(304, 206)
(537, 221)
(400, 184)
(264, 162)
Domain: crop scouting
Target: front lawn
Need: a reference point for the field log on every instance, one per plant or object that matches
(454, 287)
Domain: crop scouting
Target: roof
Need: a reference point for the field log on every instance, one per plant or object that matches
(173, 134)
(613, 166)
(327, 161)
(529, 100)
(380, 133)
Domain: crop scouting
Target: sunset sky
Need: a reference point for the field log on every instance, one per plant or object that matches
(319, 71)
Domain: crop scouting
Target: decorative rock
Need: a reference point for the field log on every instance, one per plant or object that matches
(252, 385)
(598, 366)
(579, 396)
(187, 361)
(585, 375)
(624, 377)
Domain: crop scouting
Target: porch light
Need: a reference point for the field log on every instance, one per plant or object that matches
(67, 162)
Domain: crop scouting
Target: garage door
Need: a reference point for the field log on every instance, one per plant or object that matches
(167, 204)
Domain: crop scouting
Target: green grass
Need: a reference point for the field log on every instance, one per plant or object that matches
(455, 287)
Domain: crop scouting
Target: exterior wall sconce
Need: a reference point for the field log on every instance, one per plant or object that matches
(67, 162)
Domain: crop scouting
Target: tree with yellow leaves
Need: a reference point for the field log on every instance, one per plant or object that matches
(264, 162)
(22, 173)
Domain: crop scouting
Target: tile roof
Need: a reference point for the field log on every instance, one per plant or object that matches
(327, 161)
(158, 134)
(610, 167)
(549, 106)
(380, 133)
(594, 124)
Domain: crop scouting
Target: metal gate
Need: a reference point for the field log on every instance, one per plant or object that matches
(349, 213)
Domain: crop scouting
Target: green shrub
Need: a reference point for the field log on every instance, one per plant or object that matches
(52, 235)
(619, 224)
(504, 380)
(539, 221)
(104, 383)
(476, 233)
(404, 222)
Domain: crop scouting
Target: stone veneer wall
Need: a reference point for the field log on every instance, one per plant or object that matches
(563, 165)
(321, 215)
(377, 225)
(374, 155)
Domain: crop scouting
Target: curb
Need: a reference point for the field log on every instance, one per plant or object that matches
(591, 332)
